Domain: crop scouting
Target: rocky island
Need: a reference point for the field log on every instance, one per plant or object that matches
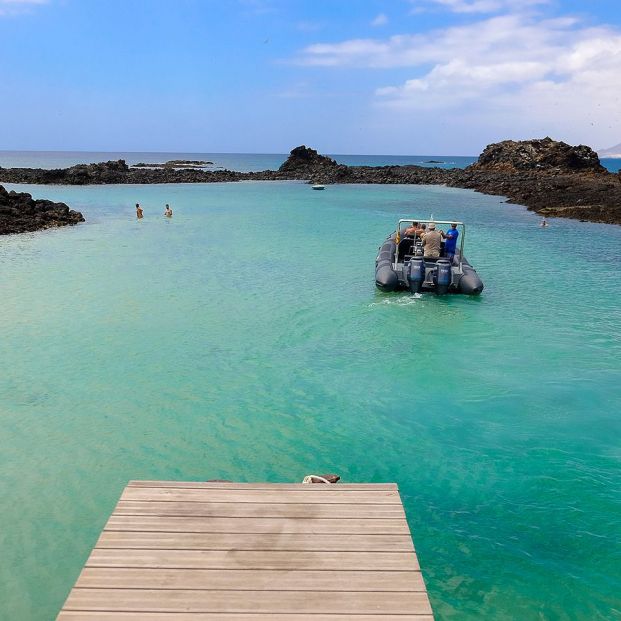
(20, 213)
(175, 164)
(547, 176)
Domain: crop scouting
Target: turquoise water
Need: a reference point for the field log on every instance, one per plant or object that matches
(244, 339)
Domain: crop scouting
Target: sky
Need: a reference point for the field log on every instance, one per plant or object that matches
(403, 77)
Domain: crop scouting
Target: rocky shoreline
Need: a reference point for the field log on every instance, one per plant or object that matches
(549, 177)
(20, 213)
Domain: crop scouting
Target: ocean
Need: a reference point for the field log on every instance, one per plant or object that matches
(244, 162)
(244, 339)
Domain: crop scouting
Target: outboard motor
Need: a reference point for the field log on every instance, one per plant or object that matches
(443, 276)
(416, 274)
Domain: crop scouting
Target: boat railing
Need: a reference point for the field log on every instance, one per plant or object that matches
(410, 221)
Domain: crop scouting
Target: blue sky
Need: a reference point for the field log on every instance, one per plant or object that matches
(344, 76)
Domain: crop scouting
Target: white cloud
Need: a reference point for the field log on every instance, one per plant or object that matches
(14, 7)
(513, 70)
(478, 6)
(379, 20)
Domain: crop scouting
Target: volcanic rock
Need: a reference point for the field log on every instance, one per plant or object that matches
(305, 163)
(20, 213)
(549, 177)
(540, 155)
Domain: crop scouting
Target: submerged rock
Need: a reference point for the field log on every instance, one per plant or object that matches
(20, 213)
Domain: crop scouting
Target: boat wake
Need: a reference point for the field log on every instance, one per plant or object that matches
(398, 301)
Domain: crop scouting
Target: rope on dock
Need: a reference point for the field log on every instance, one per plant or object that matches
(314, 478)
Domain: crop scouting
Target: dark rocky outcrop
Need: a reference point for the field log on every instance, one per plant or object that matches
(20, 213)
(545, 155)
(303, 162)
(115, 172)
(549, 177)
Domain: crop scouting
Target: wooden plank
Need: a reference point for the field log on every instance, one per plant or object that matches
(305, 496)
(258, 510)
(263, 541)
(310, 526)
(103, 615)
(273, 602)
(94, 577)
(339, 488)
(217, 559)
(252, 552)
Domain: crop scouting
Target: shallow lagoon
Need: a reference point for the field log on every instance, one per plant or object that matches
(244, 339)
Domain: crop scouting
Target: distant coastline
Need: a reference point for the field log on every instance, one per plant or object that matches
(612, 152)
(547, 176)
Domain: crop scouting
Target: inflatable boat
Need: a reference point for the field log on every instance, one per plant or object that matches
(401, 262)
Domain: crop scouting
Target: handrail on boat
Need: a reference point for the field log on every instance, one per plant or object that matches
(428, 221)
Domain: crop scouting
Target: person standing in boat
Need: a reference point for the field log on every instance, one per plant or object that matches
(432, 242)
(450, 244)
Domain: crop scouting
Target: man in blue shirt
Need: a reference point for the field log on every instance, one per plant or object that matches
(451, 241)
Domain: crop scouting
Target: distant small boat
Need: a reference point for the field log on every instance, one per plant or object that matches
(319, 187)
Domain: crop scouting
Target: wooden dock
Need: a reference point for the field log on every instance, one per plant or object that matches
(252, 552)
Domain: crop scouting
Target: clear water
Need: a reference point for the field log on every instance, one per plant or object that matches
(244, 339)
(233, 161)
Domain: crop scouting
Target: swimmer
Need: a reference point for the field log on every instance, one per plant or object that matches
(138, 211)
(168, 211)
(543, 223)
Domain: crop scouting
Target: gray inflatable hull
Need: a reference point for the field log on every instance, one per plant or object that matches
(463, 279)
